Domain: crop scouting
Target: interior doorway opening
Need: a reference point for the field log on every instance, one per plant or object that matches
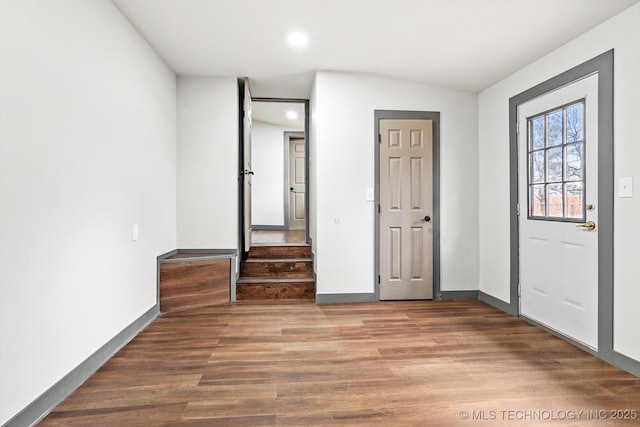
(279, 157)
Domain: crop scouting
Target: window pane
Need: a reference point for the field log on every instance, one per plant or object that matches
(555, 128)
(574, 194)
(575, 164)
(537, 133)
(575, 123)
(554, 162)
(538, 201)
(556, 143)
(555, 200)
(537, 167)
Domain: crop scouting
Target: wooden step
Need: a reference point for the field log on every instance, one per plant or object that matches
(277, 268)
(275, 289)
(296, 250)
(277, 272)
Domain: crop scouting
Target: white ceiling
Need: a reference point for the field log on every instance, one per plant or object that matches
(464, 44)
(276, 114)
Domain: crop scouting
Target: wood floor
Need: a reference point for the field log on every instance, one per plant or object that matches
(277, 237)
(378, 364)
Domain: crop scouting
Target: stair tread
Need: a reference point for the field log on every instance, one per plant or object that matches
(277, 272)
(256, 280)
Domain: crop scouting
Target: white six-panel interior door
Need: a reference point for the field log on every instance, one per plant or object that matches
(406, 206)
(297, 196)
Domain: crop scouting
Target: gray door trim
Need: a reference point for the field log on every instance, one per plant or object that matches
(409, 115)
(287, 143)
(240, 223)
(603, 66)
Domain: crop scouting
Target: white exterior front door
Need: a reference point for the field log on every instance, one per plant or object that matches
(558, 208)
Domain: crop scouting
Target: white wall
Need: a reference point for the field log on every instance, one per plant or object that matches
(207, 163)
(621, 33)
(87, 140)
(343, 146)
(267, 161)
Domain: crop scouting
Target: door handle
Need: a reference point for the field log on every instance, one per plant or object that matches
(427, 218)
(589, 225)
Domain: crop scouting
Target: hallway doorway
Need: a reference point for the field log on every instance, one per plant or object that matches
(280, 166)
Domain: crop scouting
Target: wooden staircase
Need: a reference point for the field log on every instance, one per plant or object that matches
(276, 273)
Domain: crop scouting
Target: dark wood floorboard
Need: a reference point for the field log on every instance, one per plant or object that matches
(277, 237)
(387, 364)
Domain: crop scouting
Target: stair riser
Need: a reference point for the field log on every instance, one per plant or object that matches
(275, 265)
(277, 269)
(271, 291)
(280, 252)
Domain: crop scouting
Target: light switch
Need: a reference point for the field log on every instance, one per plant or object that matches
(370, 196)
(134, 234)
(625, 187)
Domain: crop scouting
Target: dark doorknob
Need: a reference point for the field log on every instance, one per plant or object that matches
(291, 189)
(427, 218)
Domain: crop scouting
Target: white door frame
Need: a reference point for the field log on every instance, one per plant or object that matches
(409, 115)
(603, 65)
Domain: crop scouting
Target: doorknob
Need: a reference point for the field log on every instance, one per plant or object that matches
(589, 225)
(427, 218)
(291, 189)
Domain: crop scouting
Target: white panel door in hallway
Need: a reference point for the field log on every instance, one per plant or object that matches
(297, 214)
(558, 200)
(406, 206)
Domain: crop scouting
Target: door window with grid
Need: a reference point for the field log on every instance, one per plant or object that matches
(556, 143)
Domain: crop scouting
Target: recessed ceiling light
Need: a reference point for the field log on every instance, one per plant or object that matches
(298, 39)
(292, 115)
